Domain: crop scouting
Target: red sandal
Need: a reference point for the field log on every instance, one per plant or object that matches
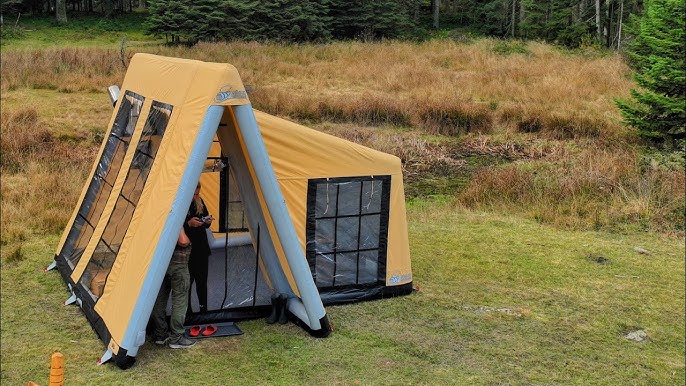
(209, 330)
(194, 331)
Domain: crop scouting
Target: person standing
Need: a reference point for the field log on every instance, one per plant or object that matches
(197, 220)
(176, 280)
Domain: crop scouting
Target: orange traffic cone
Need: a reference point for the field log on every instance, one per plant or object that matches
(57, 369)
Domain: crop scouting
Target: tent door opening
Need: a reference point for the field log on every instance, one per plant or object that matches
(236, 285)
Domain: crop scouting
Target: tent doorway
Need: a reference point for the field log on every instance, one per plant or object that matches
(236, 285)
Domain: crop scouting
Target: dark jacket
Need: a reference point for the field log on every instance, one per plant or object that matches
(197, 235)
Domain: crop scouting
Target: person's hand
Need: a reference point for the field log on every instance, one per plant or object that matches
(195, 222)
(208, 220)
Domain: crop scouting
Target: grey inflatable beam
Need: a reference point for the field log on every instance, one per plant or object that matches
(276, 205)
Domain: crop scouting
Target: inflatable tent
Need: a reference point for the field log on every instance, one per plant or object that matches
(298, 212)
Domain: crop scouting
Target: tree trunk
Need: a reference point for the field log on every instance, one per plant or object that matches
(141, 4)
(608, 33)
(514, 11)
(521, 14)
(108, 6)
(61, 11)
(619, 25)
(597, 20)
(436, 5)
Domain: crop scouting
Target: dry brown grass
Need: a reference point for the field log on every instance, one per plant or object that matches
(41, 178)
(63, 69)
(446, 87)
(539, 106)
(591, 188)
(416, 154)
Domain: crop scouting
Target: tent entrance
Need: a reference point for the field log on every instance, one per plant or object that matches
(236, 288)
(236, 285)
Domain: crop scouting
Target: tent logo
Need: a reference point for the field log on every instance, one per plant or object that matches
(225, 93)
(395, 279)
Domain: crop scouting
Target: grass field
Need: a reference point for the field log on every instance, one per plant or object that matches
(501, 300)
(542, 232)
(22, 32)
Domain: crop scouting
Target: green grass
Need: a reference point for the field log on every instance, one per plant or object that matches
(80, 31)
(502, 300)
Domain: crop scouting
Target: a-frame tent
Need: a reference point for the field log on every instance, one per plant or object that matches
(322, 219)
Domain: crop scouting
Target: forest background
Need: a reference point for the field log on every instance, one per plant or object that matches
(547, 236)
(571, 23)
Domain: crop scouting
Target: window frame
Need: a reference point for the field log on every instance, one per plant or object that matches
(312, 246)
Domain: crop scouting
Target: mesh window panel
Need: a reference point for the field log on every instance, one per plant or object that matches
(103, 179)
(324, 270)
(368, 266)
(100, 264)
(235, 211)
(231, 211)
(347, 230)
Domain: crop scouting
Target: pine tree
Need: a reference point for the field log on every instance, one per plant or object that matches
(208, 18)
(554, 21)
(169, 18)
(237, 20)
(292, 20)
(657, 109)
(372, 19)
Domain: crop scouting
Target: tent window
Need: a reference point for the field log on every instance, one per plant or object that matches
(347, 229)
(231, 211)
(103, 179)
(234, 219)
(107, 249)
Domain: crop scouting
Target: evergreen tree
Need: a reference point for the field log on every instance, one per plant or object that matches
(657, 109)
(191, 21)
(492, 17)
(355, 19)
(208, 17)
(238, 15)
(169, 18)
(292, 20)
(553, 21)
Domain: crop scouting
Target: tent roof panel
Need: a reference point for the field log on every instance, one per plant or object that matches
(193, 81)
(298, 152)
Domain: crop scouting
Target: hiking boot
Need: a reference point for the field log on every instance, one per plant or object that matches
(182, 342)
(160, 339)
(276, 309)
(283, 318)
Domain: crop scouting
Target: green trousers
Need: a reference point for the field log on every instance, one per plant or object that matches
(176, 280)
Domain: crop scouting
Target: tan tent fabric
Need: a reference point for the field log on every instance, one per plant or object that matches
(297, 155)
(195, 87)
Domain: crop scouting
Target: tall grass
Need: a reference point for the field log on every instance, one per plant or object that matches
(63, 69)
(442, 86)
(41, 179)
(432, 104)
(596, 188)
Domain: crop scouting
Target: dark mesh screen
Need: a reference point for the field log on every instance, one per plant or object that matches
(100, 264)
(347, 229)
(235, 211)
(105, 174)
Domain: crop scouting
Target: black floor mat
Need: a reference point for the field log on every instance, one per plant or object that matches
(223, 329)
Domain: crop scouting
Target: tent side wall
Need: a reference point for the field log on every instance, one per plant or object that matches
(279, 222)
(301, 155)
(132, 333)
